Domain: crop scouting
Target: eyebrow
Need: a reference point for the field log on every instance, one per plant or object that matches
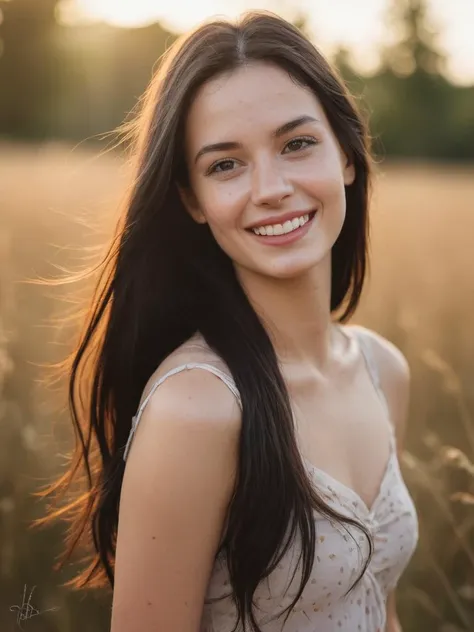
(280, 131)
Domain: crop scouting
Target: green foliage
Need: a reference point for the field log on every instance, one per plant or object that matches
(81, 81)
(70, 82)
(415, 48)
(414, 110)
(27, 64)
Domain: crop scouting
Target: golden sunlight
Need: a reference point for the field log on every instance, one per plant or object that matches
(119, 13)
(180, 14)
(360, 26)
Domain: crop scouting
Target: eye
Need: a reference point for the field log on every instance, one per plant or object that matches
(298, 143)
(224, 164)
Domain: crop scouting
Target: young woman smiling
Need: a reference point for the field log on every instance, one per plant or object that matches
(242, 440)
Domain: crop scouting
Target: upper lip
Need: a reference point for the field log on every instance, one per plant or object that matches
(280, 219)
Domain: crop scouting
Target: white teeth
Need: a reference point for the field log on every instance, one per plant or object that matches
(279, 229)
(288, 227)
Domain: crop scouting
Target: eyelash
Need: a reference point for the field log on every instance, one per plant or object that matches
(309, 139)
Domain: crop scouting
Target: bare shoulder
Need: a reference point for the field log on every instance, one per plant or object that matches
(194, 394)
(395, 376)
(390, 359)
(191, 405)
(177, 486)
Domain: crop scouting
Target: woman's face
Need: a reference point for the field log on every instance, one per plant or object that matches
(261, 154)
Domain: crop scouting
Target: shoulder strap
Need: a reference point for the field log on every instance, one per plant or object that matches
(228, 381)
(371, 364)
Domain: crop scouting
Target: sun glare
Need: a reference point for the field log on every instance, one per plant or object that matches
(120, 13)
(359, 26)
(180, 14)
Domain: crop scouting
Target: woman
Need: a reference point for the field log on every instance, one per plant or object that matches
(259, 481)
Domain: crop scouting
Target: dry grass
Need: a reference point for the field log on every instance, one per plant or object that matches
(420, 295)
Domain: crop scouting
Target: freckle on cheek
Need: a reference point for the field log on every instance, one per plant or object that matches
(153, 537)
(148, 603)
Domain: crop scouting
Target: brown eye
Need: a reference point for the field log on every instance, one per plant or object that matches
(300, 143)
(214, 168)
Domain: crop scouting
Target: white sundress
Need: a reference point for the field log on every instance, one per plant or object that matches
(323, 606)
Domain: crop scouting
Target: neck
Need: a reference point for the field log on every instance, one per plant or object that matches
(296, 314)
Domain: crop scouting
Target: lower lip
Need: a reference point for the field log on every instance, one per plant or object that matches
(287, 238)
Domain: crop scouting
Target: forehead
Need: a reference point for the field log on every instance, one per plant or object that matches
(259, 96)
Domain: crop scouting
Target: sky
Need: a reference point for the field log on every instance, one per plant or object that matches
(358, 25)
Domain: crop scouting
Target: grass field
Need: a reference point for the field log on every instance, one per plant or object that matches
(57, 204)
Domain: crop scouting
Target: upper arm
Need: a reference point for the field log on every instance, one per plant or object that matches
(176, 489)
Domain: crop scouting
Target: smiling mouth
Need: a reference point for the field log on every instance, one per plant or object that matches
(286, 228)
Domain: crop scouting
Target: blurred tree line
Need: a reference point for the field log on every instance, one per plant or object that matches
(80, 81)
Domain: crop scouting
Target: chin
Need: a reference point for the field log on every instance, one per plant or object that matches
(291, 270)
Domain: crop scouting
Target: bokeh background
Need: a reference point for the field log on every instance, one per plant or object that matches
(73, 70)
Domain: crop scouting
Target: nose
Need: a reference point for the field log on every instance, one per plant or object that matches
(269, 184)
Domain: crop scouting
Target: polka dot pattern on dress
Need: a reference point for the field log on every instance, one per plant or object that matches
(340, 556)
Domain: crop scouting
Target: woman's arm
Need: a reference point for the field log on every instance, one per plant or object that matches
(393, 624)
(178, 481)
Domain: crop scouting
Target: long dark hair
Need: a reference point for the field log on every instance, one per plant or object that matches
(164, 277)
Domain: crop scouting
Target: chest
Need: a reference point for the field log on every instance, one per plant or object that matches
(343, 429)
(340, 556)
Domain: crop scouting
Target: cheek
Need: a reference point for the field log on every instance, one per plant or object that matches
(324, 181)
(222, 204)
(328, 169)
(223, 208)
(221, 217)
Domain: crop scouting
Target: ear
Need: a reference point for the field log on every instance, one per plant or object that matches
(191, 204)
(349, 173)
(348, 168)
